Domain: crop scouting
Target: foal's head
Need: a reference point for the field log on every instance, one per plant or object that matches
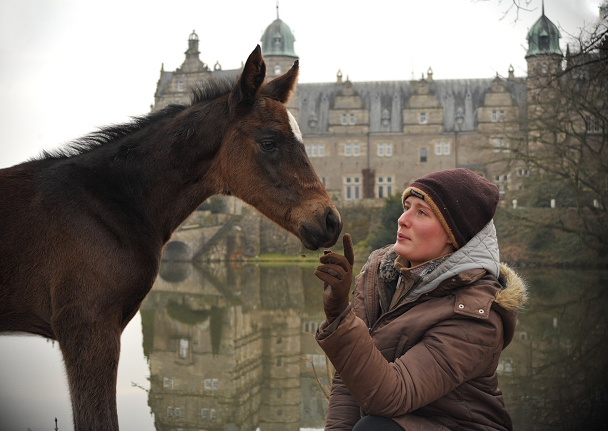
(262, 159)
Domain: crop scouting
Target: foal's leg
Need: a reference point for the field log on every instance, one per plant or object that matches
(90, 352)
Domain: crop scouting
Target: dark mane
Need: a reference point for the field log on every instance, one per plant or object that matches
(201, 94)
(212, 89)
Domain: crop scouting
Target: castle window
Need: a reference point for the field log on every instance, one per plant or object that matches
(385, 149)
(180, 86)
(442, 148)
(500, 145)
(315, 150)
(352, 119)
(352, 188)
(543, 68)
(423, 155)
(422, 119)
(498, 116)
(344, 120)
(386, 117)
(593, 124)
(204, 413)
(352, 149)
(168, 383)
(384, 186)
(183, 348)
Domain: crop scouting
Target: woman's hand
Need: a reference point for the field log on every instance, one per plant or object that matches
(336, 272)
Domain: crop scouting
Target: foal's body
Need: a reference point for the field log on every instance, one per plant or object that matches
(81, 234)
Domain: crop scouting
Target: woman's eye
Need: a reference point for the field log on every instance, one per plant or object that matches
(267, 146)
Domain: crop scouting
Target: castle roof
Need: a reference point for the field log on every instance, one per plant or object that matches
(386, 100)
(278, 40)
(543, 38)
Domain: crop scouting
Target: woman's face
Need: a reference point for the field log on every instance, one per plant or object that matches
(420, 236)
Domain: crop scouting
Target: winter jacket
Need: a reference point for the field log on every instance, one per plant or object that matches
(425, 355)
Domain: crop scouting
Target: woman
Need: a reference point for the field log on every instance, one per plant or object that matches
(419, 346)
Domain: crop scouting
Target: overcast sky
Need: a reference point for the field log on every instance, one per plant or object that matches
(69, 66)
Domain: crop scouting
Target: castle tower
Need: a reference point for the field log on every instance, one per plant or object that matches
(192, 63)
(279, 55)
(544, 55)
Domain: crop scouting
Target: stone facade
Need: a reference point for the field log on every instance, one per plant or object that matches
(369, 139)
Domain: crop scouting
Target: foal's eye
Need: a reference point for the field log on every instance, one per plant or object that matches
(267, 146)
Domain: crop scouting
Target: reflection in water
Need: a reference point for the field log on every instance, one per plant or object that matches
(226, 347)
(555, 373)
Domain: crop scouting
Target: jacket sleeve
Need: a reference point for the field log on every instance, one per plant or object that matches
(343, 411)
(449, 354)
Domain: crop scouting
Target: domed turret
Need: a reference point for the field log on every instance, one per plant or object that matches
(544, 56)
(278, 40)
(277, 47)
(543, 37)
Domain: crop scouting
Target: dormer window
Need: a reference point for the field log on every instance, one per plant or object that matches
(386, 117)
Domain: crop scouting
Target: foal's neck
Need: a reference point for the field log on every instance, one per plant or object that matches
(179, 174)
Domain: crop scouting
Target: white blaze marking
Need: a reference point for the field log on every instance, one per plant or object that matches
(294, 127)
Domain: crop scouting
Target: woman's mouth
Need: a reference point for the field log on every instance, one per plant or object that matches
(401, 237)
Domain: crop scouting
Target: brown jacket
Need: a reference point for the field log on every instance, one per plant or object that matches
(427, 358)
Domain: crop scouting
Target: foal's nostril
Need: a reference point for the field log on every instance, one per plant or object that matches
(332, 221)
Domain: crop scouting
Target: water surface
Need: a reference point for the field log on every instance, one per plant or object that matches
(230, 347)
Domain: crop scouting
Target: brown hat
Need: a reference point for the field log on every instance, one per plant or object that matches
(463, 201)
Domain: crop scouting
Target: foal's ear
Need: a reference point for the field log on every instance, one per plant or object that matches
(280, 88)
(250, 80)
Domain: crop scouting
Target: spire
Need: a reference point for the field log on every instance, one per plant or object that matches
(542, 15)
(278, 8)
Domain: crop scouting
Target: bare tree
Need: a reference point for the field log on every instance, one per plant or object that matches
(515, 6)
(565, 152)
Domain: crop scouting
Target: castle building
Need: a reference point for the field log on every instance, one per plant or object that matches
(367, 140)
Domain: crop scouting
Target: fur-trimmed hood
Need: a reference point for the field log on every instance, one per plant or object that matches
(515, 292)
(479, 253)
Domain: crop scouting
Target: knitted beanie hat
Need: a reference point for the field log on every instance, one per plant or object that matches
(463, 201)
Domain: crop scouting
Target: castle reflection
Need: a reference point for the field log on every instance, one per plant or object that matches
(554, 375)
(230, 347)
